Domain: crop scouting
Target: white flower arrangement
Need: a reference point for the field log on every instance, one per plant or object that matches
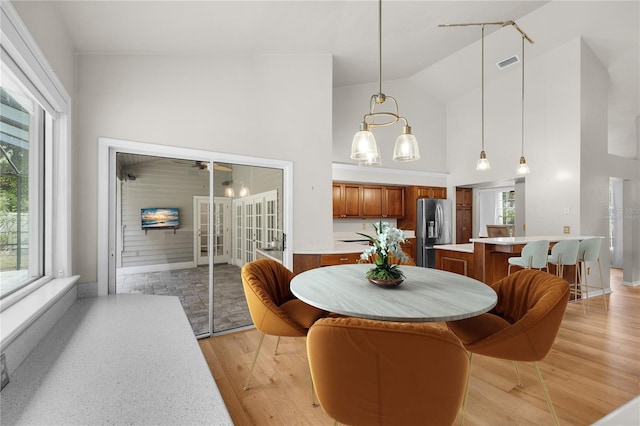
(385, 247)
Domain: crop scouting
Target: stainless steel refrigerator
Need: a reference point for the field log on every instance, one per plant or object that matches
(433, 228)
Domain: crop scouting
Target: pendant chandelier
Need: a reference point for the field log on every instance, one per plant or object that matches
(523, 167)
(364, 148)
(483, 161)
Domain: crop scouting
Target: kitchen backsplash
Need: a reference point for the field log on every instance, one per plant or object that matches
(358, 225)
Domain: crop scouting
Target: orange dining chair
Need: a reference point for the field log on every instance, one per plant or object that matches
(370, 372)
(522, 326)
(273, 308)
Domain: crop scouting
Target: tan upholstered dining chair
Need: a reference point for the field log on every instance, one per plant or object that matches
(273, 308)
(522, 326)
(370, 372)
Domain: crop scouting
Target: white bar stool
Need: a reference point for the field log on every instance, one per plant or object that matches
(534, 256)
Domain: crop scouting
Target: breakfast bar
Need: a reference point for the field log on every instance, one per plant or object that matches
(486, 259)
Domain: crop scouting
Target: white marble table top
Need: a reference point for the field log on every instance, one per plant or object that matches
(425, 295)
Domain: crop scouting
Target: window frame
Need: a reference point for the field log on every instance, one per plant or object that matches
(21, 53)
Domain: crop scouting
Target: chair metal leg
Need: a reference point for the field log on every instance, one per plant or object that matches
(515, 367)
(604, 295)
(313, 391)
(579, 285)
(546, 394)
(255, 358)
(277, 344)
(466, 392)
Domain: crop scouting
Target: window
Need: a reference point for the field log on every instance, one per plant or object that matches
(508, 208)
(35, 169)
(23, 133)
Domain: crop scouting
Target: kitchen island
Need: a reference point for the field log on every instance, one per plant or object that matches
(486, 259)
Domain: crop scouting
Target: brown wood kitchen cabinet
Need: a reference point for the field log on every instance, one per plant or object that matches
(352, 200)
(412, 193)
(464, 215)
(382, 201)
(346, 200)
(304, 262)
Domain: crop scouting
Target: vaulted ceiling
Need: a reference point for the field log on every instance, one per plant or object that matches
(412, 42)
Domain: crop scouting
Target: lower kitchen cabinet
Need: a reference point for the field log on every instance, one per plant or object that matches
(304, 262)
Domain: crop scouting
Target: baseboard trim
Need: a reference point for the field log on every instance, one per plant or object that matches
(155, 268)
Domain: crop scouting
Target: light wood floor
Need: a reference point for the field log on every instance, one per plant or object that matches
(593, 367)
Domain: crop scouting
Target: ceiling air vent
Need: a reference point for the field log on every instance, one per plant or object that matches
(509, 61)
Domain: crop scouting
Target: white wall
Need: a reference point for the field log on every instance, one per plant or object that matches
(552, 137)
(51, 34)
(276, 107)
(160, 183)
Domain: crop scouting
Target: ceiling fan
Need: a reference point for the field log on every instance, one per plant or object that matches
(204, 166)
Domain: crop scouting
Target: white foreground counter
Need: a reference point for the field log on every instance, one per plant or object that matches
(120, 359)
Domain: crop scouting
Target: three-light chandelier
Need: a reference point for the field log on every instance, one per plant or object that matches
(364, 148)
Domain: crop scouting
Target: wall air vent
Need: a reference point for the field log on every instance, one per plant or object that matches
(509, 61)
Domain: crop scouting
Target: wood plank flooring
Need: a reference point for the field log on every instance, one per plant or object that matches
(593, 368)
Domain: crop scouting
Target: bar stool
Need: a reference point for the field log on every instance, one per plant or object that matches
(589, 251)
(534, 256)
(563, 253)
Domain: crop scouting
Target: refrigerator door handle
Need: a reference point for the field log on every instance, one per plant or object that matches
(439, 217)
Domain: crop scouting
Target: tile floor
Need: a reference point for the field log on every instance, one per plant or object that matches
(191, 286)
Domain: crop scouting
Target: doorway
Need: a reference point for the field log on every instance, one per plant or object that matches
(208, 278)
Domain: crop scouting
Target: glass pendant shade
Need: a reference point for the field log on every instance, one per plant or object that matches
(406, 148)
(373, 161)
(364, 146)
(523, 168)
(483, 162)
(228, 192)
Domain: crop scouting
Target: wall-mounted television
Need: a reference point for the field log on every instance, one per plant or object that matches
(160, 217)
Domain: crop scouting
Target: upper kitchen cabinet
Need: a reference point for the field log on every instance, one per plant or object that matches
(412, 194)
(346, 200)
(367, 201)
(382, 201)
(431, 192)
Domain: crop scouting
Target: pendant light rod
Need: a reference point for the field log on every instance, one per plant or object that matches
(522, 97)
(380, 47)
(482, 85)
(500, 23)
(523, 167)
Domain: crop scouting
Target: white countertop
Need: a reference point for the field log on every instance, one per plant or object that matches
(271, 254)
(465, 248)
(119, 359)
(509, 241)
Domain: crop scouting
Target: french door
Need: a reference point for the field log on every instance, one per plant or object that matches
(255, 224)
(221, 231)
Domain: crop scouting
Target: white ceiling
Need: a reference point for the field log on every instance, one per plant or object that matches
(348, 30)
(413, 44)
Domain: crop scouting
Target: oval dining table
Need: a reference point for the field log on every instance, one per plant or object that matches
(425, 295)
